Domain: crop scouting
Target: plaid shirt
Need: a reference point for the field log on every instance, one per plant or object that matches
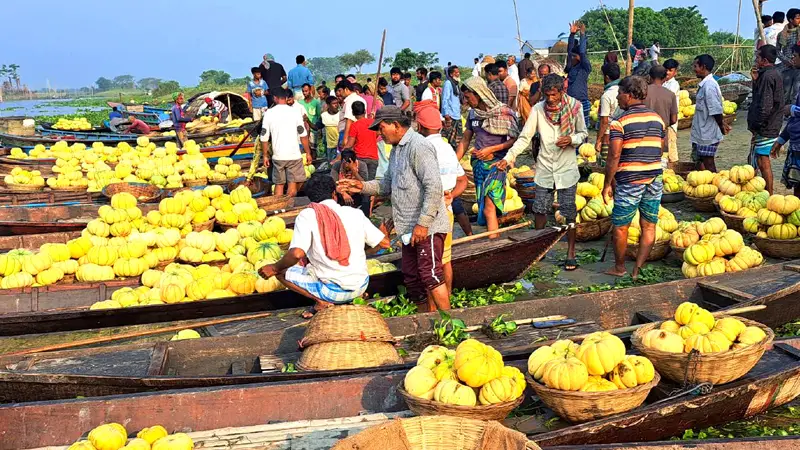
(499, 90)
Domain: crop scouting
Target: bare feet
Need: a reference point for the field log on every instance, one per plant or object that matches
(617, 271)
(635, 273)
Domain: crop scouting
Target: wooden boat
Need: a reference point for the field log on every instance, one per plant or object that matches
(243, 353)
(325, 433)
(686, 122)
(26, 219)
(47, 309)
(774, 381)
(47, 197)
(34, 241)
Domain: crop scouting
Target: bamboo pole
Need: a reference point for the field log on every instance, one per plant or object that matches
(380, 63)
(629, 59)
(736, 39)
(519, 35)
(757, 10)
(613, 32)
(136, 334)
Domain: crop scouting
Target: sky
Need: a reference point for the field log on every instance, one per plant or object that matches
(73, 43)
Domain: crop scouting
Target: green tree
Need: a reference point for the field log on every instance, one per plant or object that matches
(240, 81)
(406, 59)
(166, 88)
(650, 26)
(124, 82)
(325, 67)
(149, 83)
(357, 59)
(723, 37)
(104, 84)
(12, 73)
(215, 77)
(686, 26)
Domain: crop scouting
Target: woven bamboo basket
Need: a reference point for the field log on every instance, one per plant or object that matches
(677, 251)
(348, 355)
(716, 368)
(702, 204)
(733, 222)
(683, 168)
(163, 264)
(590, 231)
(423, 407)
(658, 252)
(778, 248)
(347, 323)
(275, 202)
(258, 186)
(144, 192)
(437, 433)
(208, 225)
(511, 216)
(672, 197)
(226, 226)
(24, 188)
(69, 189)
(194, 183)
(577, 407)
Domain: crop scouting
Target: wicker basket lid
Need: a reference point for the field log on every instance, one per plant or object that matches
(437, 433)
(347, 323)
(348, 355)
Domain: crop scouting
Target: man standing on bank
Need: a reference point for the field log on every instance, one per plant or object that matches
(765, 116)
(418, 207)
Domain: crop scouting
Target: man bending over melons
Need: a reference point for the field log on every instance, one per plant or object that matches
(330, 239)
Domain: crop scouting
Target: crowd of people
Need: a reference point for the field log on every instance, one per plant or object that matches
(387, 139)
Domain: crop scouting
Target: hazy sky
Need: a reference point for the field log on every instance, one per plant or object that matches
(72, 43)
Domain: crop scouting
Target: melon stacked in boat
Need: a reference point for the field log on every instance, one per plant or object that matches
(470, 381)
(114, 436)
(590, 380)
(697, 347)
(710, 248)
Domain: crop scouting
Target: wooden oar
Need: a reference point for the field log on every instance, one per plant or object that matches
(136, 334)
(491, 233)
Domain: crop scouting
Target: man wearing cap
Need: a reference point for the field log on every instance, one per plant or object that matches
(216, 108)
(282, 125)
(418, 207)
(454, 179)
(179, 120)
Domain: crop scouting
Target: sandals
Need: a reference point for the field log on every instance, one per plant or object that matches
(570, 265)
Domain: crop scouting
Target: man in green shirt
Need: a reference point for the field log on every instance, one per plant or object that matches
(314, 110)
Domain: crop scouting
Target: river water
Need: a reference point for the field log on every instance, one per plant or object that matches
(45, 107)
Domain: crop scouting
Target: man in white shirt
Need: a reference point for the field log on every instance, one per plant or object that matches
(674, 86)
(608, 107)
(655, 52)
(282, 125)
(476, 70)
(333, 238)
(556, 164)
(513, 69)
(708, 128)
(303, 113)
(344, 90)
(454, 179)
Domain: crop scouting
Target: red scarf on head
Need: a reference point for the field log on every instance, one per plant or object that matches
(334, 236)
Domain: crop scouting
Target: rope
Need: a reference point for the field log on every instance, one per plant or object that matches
(694, 47)
(702, 389)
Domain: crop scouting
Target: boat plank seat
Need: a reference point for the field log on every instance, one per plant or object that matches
(158, 360)
(727, 291)
(646, 317)
(132, 363)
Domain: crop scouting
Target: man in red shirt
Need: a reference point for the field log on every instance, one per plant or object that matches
(137, 126)
(363, 140)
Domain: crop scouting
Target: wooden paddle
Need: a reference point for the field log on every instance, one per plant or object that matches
(491, 233)
(254, 130)
(136, 334)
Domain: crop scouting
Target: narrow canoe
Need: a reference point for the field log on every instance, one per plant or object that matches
(774, 381)
(48, 309)
(247, 355)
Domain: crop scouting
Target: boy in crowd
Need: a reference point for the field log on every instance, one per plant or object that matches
(330, 120)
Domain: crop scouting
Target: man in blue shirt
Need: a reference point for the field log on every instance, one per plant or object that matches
(451, 107)
(299, 76)
(578, 68)
(257, 88)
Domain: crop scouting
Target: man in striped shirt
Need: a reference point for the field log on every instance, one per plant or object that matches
(637, 139)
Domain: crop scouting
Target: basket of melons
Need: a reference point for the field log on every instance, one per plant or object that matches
(696, 347)
(700, 190)
(469, 382)
(592, 380)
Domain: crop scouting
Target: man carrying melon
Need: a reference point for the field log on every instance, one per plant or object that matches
(331, 238)
(637, 138)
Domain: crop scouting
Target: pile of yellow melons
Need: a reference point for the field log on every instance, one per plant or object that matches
(471, 375)
(700, 184)
(778, 218)
(114, 436)
(665, 226)
(598, 364)
(673, 182)
(694, 328)
(712, 249)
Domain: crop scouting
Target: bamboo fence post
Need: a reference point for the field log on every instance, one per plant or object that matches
(629, 65)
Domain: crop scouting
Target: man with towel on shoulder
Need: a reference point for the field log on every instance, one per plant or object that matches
(331, 239)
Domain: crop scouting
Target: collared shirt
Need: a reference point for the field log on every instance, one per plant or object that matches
(654, 52)
(415, 185)
(609, 107)
(641, 132)
(449, 167)
(786, 40)
(499, 90)
(555, 167)
(451, 104)
(476, 70)
(705, 130)
(360, 232)
(299, 76)
(400, 93)
(513, 73)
